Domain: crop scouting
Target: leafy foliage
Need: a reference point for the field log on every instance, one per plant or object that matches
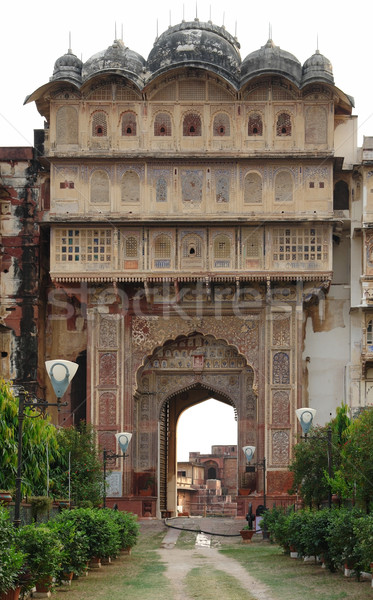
(38, 434)
(355, 476)
(86, 474)
(43, 549)
(11, 559)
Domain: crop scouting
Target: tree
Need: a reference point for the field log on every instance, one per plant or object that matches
(355, 476)
(86, 477)
(38, 435)
(310, 463)
(309, 466)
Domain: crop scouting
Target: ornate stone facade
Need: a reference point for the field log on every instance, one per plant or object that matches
(192, 235)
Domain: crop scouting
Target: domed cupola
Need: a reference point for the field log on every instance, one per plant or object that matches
(271, 59)
(115, 59)
(68, 67)
(317, 68)
(197, 44)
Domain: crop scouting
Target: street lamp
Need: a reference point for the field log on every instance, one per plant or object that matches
(123, 440)
(249, 454)
(60, 373)
(305, 417)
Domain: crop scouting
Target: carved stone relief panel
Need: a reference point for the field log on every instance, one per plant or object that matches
(280, 448)
(280, 329)
(281, 368)
(107, 368)
(281, 407)
(107, 408)
(108, 332)
(144, 460)
(241, 332)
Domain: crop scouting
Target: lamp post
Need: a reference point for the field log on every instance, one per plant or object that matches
(60, 373)
(305, 417)
(249, 453)
(123, 440)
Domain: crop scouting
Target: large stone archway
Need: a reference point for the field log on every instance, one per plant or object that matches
(177, 376)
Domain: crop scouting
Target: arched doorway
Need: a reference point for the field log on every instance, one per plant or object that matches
(180, 374)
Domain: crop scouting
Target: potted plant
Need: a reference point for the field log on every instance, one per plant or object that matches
(44, 553)
(40, 505)
(247, 533)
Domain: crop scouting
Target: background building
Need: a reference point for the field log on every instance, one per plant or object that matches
(195, 228)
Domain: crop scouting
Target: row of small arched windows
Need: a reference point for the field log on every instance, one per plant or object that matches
(192, 188)
(192, 247)
(192, 125)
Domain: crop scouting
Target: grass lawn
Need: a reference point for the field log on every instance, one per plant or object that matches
(213, 584)
(138, 577)
(289, 579)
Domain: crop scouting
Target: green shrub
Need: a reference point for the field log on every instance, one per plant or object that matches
(128, 527)
(75, 552)
(43, 550)
(342, 540)
(11, 559)
(100, 530)
(276, 523)
(363, 530)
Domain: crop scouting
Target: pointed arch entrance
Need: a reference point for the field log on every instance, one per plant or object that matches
(178, 375)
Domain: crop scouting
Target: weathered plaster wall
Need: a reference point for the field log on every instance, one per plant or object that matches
(19, 196)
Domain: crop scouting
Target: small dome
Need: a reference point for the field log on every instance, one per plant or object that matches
(116, 58)
(196, 44)
(317, 68)
(271, 59)
(68, 66)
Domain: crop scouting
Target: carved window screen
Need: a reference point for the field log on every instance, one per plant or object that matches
(222, 247)
(129, 125)
(283, 125)
(162, 246)
(192, 125)
(255, 125)
(300, 244)
(99, 124)
(192, 90)
(84, 245)
(253, 244)
(162, 125)
(192, 247)
(221, 126)
(131, 247)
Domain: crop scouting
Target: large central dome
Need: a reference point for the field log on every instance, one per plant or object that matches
(197, 44)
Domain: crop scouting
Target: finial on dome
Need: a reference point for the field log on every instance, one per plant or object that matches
(317, 44)
(69, 50)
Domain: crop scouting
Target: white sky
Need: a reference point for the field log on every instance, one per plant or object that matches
(34, 34)
(207, 424)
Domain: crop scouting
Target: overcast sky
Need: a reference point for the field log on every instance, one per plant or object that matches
(34, 34)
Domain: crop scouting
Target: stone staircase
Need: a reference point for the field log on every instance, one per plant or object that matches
(210, 501)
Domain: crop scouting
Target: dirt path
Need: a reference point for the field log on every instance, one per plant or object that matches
(179, 562)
